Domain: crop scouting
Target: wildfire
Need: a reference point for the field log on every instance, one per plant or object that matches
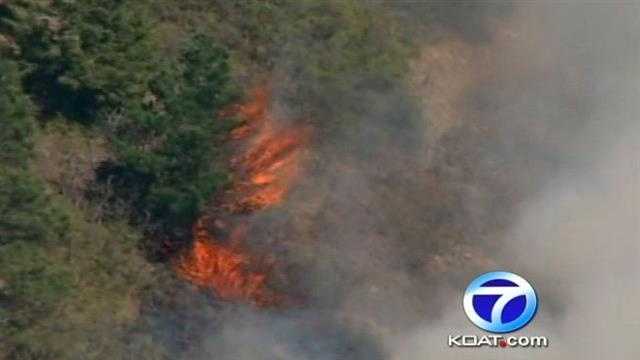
(266, 167)
(227, 268)
(270, 167)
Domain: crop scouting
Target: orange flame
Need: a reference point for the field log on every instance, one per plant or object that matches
(270, 166)
(266, 170)
(227, 269)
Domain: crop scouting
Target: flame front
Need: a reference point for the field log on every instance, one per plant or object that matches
(227, 269)
(266, 168)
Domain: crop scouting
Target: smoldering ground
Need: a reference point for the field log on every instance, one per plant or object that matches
(519, 156)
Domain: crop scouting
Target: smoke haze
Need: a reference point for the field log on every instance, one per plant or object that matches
(515, 150)
(567, 73)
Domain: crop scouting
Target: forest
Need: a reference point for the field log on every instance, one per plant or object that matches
(267, 179)
(112, 145)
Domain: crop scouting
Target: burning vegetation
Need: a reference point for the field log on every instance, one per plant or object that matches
(268, 161)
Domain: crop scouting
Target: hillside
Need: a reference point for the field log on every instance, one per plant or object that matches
(268, 179)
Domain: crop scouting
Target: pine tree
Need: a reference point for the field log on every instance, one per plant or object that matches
(16, 118)
(24, 210)
(81, 57)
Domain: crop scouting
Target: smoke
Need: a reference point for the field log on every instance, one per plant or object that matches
(512, 150)
(567, 77)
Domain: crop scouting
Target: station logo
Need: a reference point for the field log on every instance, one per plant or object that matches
(499, 302)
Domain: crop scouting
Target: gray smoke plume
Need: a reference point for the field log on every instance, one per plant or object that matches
(568, 76)
(516, 149)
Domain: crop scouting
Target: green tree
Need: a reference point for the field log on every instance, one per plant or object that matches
(16, 118)
(24, 211)
(96, 62)
(82, 57)
(168, 147)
